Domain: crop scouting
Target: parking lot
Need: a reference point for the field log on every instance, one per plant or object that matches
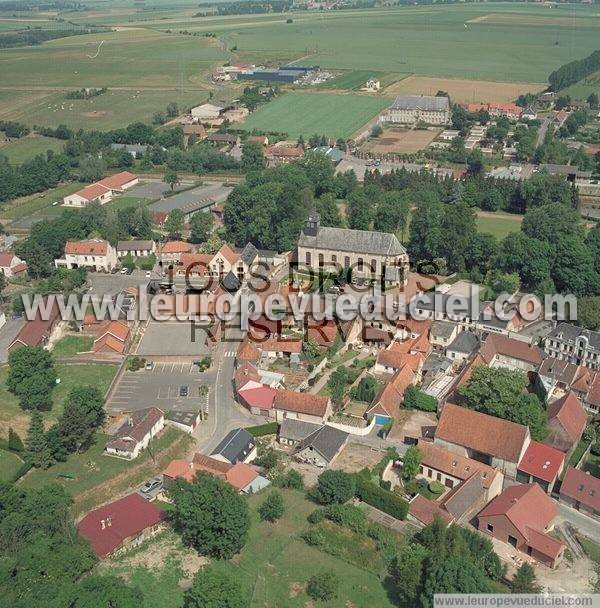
(160, 387)
(173, 339)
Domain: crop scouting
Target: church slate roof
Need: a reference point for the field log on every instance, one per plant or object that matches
(355, 241)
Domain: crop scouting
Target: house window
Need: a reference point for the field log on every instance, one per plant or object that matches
(439, 477)
(490, 528)
(360, 264)
(334, 258)
(347, 261)
(321, 259)
(308, 258)
(512, 540)
(373, 265)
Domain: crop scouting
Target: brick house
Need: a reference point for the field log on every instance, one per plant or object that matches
(522, 516)
(581, 491)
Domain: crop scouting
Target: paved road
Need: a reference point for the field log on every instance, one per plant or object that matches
(542, 131)
(586, 525)
(224, 413)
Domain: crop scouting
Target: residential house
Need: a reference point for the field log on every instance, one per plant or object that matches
(387, 404)
(97, 254)
(541, 464)
(242, 477)
(171, 252)
(278, 154)
(368, 254)
(301, 406)
(137, 249)
(462, 347)
(493, 441)
(292, 432)
(121, 525)
(37, 332)
(502, 351)
(522, 516)
(581, 491)
(451, 469)
(263, 140)
(466, 499)
(237, 446)
(223, 139)
(442, 333)
(11, 265)
(556, 376)
(194, 130)
(112, 337)
(575, 345)
(424, 511)
(135, 434)
(321, 447)
(410, 109)
(119, 182)
(566, 422)
(185, 421)
(587, 389)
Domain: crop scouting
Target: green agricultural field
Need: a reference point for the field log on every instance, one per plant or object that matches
(28, 147)
(309, 113)
(584, 88)
(355, 79)
(499, 226)
(482, 41)
(9, 464)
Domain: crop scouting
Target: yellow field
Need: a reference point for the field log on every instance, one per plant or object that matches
(402, 141)
(463, 90)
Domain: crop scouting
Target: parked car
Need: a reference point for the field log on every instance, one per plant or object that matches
(149, 365)
(148, 274)
(150, 485)
(184, 390)
(124, 271)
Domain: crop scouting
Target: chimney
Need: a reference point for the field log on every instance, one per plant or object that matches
(108, 522)
(102, 524)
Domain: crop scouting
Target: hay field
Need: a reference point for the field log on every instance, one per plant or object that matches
(462, 90)
(402, 141)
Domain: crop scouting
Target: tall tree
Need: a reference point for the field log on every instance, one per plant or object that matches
(335, 487)
(459, 227)
(214, 588)
(171, 178)
(524, 580)
(201, 226)
(83, 414)
(210, 516)
(360, 210)
(31, 377)
(253, 156)
(411, 463)
(174, 223)
(38, 452)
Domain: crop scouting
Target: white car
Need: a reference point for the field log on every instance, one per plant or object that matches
(148, 274)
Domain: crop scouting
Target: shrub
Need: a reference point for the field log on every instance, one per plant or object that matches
(263, 429)
(386, 484)
(290, 479)
(323, 586)
(335, 487)
(435, 487)
(381, 499)
(595, 449)
(313, 537)
(134, 363)
(348, 516)
(14, 441)
(272, 507)
(267, 458)
(416, 399)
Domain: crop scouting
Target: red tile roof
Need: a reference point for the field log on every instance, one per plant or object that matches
(245, 373)
(34, 332)
(91, 247)
(92, 192)
(176, 247)
(531, 511)
(228, 253)
(240, 475)
(6, 259)
(109, 526)
(508, 347)
(582, 487)
(303, 403)
(285, 151)
(425, 510)
(211, 465)
(542, 461)
(247, 351)
(118, 180)
(284, 346)
(389, 400)
(261, 397)
(486, 434)
(569, 413)
(137, 425)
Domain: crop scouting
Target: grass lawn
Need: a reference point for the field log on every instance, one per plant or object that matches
(275, 564)
(39, 204)
(309, 113)
(124, 202)
(9, 464)
(69, 346)
(98, 476)
(70, 375)
(28, 147)
(591, 548)
(499, 226)
(355, 79)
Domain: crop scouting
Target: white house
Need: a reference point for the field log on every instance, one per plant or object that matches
(138, 249)
(90, 194)
(136, 433)
(94, 253)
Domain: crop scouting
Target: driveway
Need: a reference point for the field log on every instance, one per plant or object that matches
(588, 526)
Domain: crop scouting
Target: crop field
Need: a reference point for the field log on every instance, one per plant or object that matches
(462, 90)
(28, 147)
(309, 113)
(355, 79)
(585, 87)
(402, 141)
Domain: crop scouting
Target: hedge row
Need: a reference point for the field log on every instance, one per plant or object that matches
(381, 499)
(270, 428)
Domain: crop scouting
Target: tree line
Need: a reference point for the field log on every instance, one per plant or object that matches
(574, 71)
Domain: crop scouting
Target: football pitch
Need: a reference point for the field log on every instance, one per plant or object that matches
(316, 113)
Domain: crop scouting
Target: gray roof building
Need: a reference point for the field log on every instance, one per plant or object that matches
(442, 329)
(356, 241)
(569, 332)
(466, 342)
(327, 441)
(235, 446)
(249, 253)
(293, 431)
(426, 103)
(135, 245)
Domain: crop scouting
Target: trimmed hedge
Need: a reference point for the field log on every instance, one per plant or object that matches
(270, 428)
(381, 499)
